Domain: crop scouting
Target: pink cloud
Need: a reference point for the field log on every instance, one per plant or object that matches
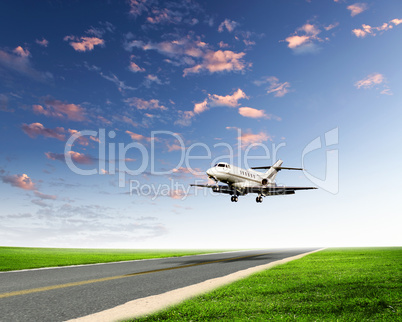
(279, 89)
(228, 24)
(42, 42)
(138, 137)
(174, 147)
(35, 129)
(252, 112)
(135, 68)
(164, 16)
(368, 30)
(304, 35)
(137, 7)
(228, 100)
(386, 91)
(370, 81)
(295, 41)
(396, 22)
(83, 140)
(19, 61)
(249, 138)
(357, 8)
(58, 109)
(213, 100)
(75, 156)
(219, 61)
(20, 181)
(186, 51)
(44, 196)
(177, 194)
(201, 107)
(127, 120)
(223, 45)
(255, 113)
(21, 51)
(331, 26)
(185, 118)
(141, 104)
(84, 43)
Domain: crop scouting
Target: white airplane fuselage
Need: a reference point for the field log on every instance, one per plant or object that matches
(238, 177)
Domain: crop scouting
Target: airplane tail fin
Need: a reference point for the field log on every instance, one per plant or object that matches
(271, 173)
(273, 170)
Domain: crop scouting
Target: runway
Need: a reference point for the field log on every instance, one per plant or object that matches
(61, 294)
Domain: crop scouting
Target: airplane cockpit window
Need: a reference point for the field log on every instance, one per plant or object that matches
(221, 165)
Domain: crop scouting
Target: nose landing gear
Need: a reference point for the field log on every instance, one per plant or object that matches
(258, 199)
(234, 198)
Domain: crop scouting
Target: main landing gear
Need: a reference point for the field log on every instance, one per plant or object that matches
(258, 199)
(234, 198)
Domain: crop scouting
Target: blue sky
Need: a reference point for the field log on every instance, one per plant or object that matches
(267, 79)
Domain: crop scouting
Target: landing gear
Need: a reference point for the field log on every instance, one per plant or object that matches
(258, 199)
(234, 198)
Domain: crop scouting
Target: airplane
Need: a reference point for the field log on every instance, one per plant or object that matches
(240, 182)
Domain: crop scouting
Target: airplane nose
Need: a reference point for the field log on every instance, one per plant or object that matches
(209, 172)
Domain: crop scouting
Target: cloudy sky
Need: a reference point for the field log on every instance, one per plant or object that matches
(109, 110)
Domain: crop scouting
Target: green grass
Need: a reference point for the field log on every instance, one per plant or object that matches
(332, 285)
(17, 258)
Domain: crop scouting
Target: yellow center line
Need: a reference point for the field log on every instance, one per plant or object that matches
(104, 279)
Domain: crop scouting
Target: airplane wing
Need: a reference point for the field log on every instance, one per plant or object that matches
(203, 185)
(216, 188)
(278, 190)
(276, 168)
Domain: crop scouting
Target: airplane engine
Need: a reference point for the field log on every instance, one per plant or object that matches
(264, 182)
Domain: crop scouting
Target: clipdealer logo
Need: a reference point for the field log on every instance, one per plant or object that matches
(115, 154)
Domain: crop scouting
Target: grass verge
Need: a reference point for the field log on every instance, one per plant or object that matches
(361, 284)
(17, 258)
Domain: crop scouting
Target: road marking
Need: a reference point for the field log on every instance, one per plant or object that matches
(104, 279)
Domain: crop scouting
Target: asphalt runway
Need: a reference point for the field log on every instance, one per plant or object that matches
(60, 294)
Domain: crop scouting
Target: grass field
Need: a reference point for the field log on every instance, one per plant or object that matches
(17, 258)
(331, 285)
